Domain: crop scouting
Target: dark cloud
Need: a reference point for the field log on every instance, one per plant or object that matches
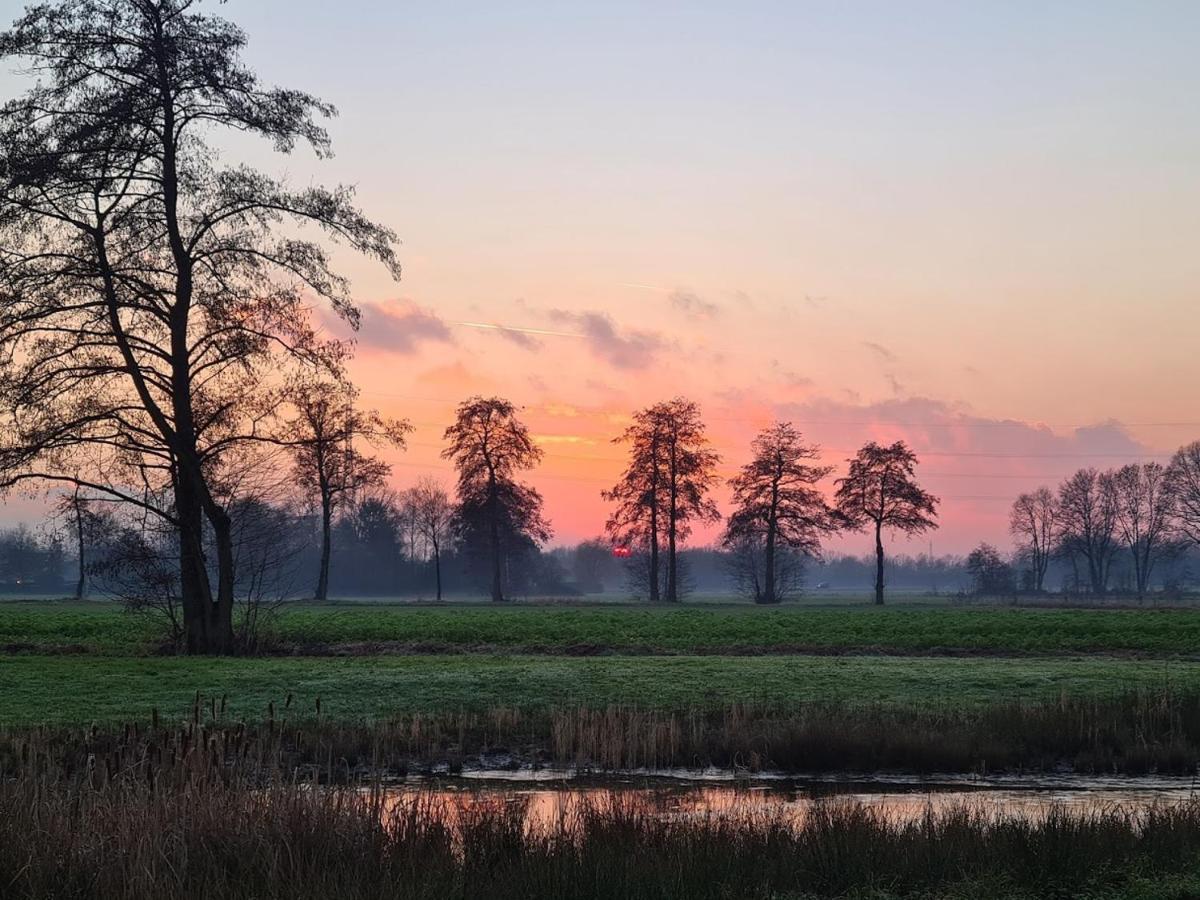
(983, 445)
(629, 349)
(398, 327)
(693, 304)
(882, 352)
(522, 339)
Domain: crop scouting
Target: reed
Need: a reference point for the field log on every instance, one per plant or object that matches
(196, 831)
(1136, 733)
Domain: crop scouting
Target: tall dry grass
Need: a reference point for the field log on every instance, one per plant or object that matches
(186, 828)
(1135, 733)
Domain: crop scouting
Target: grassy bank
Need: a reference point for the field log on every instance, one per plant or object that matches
(183, 833)
(590, 629)
(1133, 734)
(83, 689)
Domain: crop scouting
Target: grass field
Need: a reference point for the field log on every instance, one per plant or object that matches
(585, 629)
(82, 690)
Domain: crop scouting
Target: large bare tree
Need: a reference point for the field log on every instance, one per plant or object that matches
(1184, 475)
(1087, 524)
(777, 504)
(1144, 513)
(321, 431)
(665, 488)
(148, 290)
(1033, 521)
(881, 490)
(489, 445)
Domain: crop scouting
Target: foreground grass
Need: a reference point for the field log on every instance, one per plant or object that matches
(585, 629)
(172, 829)
(66, 690)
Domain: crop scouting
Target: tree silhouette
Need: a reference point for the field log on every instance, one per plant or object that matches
(881, 490)
(664, 488)
(991, 573)
(321, 433)
(489, 445)
(90, 524)
(1033, 521)
(777, 504)
(149, 290)
(1184, 475)
(432, 511)
(1087, 523)
(1144, 514)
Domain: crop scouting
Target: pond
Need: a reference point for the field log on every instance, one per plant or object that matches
(546, 798)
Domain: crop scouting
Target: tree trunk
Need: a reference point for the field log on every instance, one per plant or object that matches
(82, 583)
(195, 591)
(772, 529)
(322, 592)
(654, 596)
(769, 575)
(437, 570)
(494, 541)
(672, 528)
(879, 563)
(672, 567)
(221, 628)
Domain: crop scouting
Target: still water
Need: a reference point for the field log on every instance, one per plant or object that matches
(546, 798)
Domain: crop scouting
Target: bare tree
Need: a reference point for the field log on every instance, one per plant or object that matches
(990, 572)
(489, 445)
(665, 488)
(1087, 523)
(746, 565)
(269, 552)
(149, 291)
(90, 523)
(881, 490)
(321, 433)
(1144, 513)
(432, 512)
(1033, 521)
(778, 506)
(1184, 475)
(140, 565)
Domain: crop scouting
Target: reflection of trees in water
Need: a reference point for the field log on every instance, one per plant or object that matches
(548, 812)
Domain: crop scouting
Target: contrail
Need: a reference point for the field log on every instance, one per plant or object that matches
(489, 327)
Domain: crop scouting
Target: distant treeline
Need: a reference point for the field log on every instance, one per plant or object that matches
(380, 554)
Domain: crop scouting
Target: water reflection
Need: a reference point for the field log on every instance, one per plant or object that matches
(549, 804)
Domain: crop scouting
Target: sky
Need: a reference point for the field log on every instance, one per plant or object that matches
(970, 226)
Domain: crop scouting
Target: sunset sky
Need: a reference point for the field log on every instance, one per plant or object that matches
(974, 229)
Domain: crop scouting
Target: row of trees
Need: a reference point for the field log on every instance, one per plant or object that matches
(779, 512)
(495, 523)
(1146, 511)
